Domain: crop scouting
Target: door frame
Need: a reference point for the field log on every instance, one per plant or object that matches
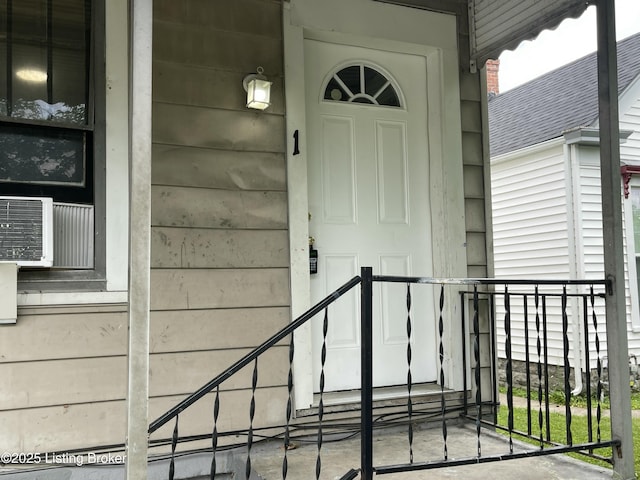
(432, 35)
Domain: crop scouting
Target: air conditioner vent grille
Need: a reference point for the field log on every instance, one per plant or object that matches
(21, 230)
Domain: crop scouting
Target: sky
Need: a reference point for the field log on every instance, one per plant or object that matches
(574, 38)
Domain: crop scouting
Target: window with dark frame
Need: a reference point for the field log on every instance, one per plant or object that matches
(52, 131)
(46, 108)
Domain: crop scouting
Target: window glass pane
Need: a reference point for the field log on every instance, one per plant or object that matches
(46, 51)
(70, 69)
(389, 97)
(373, 81)
(361, 84)
(335, 92)
(3, 57)
(351, 78)
(42, 156)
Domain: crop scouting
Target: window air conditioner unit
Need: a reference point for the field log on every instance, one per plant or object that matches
(26, 231)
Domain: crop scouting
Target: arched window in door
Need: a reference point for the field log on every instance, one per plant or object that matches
(360, 83)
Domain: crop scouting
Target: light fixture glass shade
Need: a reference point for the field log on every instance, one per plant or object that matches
(258, 93)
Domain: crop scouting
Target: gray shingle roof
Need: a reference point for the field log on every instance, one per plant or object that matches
(565, 98)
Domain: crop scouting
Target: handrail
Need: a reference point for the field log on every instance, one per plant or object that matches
(250, 357)
(488, 281)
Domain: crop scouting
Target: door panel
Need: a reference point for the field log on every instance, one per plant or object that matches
(391, 158)
(338, 166)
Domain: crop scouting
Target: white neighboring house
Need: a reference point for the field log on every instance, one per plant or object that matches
(545, 181)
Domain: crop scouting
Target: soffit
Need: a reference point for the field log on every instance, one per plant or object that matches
(498, 25)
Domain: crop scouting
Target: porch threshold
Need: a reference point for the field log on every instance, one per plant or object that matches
(427, 395)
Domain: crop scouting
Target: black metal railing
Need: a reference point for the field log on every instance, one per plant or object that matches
(251, 358)
(507, 314)
(510, 319)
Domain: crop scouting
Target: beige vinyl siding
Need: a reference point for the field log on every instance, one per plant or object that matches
(530, 218)
(63, 373)
(475, 192)
(219, 240)
(474, 174)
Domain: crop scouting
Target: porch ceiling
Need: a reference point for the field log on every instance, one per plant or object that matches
(498, 25)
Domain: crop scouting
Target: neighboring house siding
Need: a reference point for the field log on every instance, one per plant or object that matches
(592, 264)
(593, 257)
(530, 218)
(219, 279)
(630, 154)
(630, 120)
(590, 259)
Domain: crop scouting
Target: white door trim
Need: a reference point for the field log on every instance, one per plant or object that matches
(413, 31)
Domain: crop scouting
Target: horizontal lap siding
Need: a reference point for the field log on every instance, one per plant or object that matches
(530, 215)
(62, 368)
(593, 264)
(219, 252)
(219, 240)
(630, 120)
(630, 154)
(473, 172)
(475, 195)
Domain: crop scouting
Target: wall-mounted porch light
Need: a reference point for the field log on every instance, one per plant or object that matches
(258, 90)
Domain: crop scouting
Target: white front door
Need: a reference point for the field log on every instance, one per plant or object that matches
(369, 205)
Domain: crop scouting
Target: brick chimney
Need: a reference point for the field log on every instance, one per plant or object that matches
(493, 84)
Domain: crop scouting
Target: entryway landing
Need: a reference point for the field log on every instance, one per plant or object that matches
(391, 446)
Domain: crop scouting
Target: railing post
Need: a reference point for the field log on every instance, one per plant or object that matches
(614, 255)
(366, 372)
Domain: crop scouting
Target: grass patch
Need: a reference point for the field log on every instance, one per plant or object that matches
(557, 397)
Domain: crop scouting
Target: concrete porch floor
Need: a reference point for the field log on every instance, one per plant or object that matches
(391, 447)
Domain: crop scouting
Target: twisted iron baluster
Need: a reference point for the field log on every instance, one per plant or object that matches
(476, 356)
(285, 462)
(174, 443)
(214, 436)
(599, 363)
(409, 379)
(443, 405)
(539, 349)
(252, 412)
(567, 368)
(323, 358)
(527, 360)
(509, 366)
(587, 362)
(545, 353)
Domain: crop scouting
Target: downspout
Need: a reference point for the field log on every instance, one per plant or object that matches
(574, 222)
